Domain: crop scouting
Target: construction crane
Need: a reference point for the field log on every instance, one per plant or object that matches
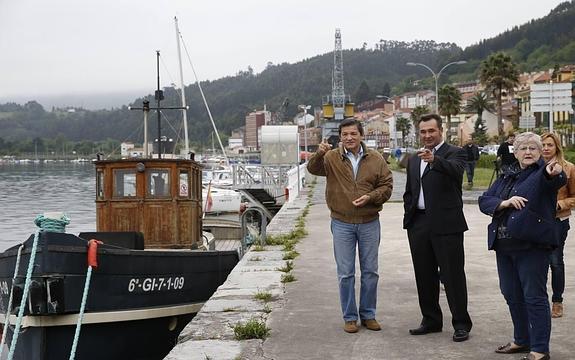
(279, 116)
(336, 106)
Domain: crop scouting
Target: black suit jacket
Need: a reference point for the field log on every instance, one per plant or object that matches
(441, 188)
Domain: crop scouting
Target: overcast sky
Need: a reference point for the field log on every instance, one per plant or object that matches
(78, 47)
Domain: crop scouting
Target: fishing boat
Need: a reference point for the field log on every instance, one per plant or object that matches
(125, 291)
(148, 279)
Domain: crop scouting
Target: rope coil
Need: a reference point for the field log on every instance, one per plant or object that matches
(52, 224)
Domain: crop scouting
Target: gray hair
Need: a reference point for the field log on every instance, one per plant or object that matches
(527, 138)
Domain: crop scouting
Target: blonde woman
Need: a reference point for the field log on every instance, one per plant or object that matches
(552, 151)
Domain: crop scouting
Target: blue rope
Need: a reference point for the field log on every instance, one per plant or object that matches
(24, 296)
(81, 313)
(8, 310)
(51, 224)
(45, 224)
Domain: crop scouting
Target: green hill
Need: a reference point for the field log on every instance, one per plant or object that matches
(538, 44)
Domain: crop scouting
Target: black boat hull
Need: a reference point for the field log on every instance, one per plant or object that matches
(137, 304)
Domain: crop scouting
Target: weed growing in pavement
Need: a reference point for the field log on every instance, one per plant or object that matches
(286, 278)
(264, 296)
(267, 309)
(290, 255)
(258, 248)
(255, 258)
(252, 329)
(287, 267)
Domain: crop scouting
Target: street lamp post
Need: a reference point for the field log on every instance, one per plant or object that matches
(436, 77)
(305, 108)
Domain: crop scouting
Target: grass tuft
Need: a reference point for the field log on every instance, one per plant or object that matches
(290, 255)
(264, 296)
(287, 278)
(287, 267)
(252, 329)
(258, 248)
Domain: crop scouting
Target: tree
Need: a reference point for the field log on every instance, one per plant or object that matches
(480, 132)
(416, 114)
(386, 90)
(362, 93)
(404, 125)
(498, 72)
(477, 104)
(449, 104)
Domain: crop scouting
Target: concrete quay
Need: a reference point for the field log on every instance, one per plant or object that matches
(305, 318)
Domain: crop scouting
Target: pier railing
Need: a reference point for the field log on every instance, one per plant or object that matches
(275, 179)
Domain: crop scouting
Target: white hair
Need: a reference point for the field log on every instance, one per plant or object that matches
(527, 138)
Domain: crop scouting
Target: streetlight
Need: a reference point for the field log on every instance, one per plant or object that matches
(305, 108)
(436, 77)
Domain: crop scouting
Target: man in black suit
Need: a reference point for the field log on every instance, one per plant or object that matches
(435, 224)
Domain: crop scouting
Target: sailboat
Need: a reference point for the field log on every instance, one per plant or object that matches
(125, 291)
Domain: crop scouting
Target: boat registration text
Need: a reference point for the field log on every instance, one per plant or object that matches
(142, 285)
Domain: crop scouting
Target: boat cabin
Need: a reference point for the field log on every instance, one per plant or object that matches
(159, 198)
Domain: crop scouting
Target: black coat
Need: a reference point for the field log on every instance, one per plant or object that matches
(442, 189)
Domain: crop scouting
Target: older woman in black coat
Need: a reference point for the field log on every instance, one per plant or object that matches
(522, 203)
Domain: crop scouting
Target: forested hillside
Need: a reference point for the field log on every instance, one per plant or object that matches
(380, 69)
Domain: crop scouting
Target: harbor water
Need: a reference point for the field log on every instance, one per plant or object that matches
(30, 189)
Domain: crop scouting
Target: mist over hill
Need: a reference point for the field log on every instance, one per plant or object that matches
(378, 69)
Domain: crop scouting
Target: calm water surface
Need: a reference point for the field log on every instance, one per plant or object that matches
(27, 190)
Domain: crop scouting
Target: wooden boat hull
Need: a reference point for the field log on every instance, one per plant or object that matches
(138, 301)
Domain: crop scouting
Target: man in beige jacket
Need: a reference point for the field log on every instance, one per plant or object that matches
(358, 183)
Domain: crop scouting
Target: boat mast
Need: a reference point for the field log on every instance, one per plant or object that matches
(159, 97)
(182, 93)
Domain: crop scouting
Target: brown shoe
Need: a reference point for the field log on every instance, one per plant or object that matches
(371, 324)
(557, 310)
(350, 327)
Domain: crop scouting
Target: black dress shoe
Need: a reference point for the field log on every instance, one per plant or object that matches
(460, 335)
(422, 330)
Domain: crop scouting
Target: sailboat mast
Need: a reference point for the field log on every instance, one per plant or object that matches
(182, 93)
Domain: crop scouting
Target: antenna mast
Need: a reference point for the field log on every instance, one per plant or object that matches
(338, 92)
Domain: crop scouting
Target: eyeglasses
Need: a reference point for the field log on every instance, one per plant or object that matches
(530, 148)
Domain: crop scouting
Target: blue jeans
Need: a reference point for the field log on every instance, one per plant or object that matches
(470, 170)
(523, 283)
(557, 264)
(346, 237)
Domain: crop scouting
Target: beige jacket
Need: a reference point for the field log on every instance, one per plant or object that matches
(373, 178)
(566, 194)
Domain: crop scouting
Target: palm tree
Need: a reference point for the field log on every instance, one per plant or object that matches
(449, 104)
(416, 115)
(498, 72)
(404, 125)
(479, 103)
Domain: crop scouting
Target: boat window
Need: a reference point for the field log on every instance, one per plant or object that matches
(100, 185)
(124, 183)
(184, 184)
(158, 183)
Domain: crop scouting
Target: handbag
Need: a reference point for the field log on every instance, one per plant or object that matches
(527, 225)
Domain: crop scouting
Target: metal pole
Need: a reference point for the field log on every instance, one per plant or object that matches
(146, 133)
(436, 92)
(183, 94)
(158, 105)
(305, 132)
(551, 115)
